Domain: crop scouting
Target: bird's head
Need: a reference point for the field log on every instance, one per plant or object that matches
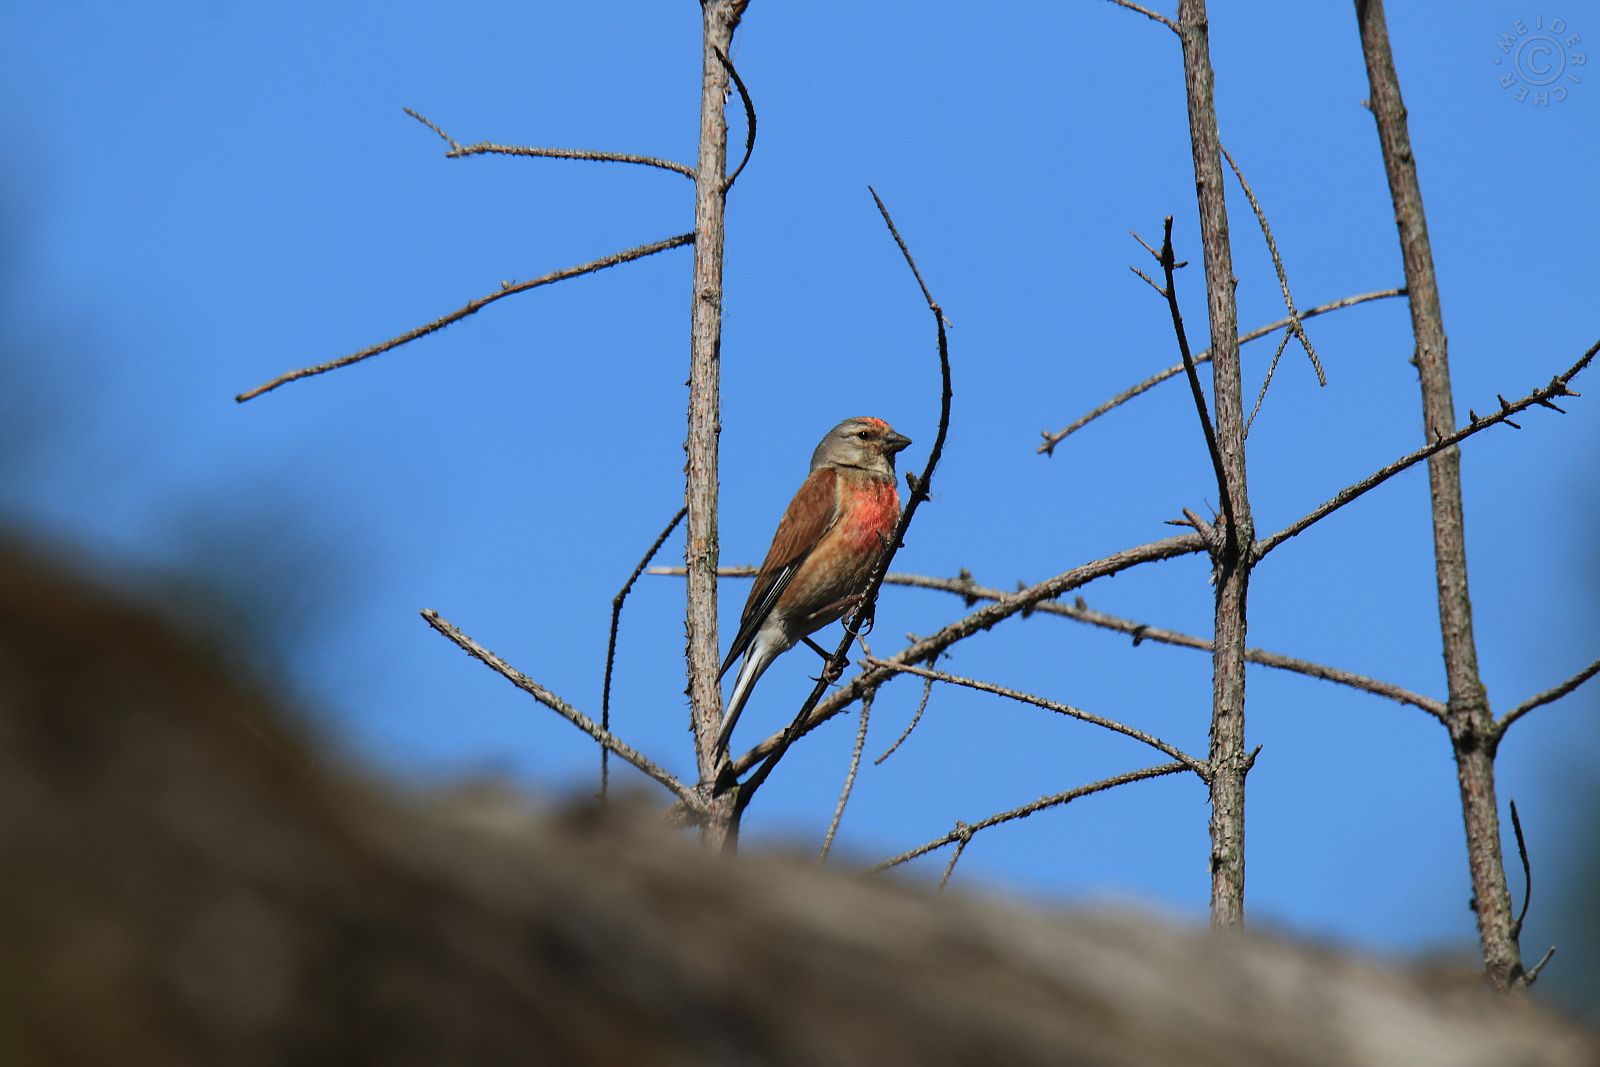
(865, 444)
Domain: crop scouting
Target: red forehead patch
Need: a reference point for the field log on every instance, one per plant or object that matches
(879, 423)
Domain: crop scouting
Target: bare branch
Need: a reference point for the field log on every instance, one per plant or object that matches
(1277, 265)
(964, 831)
(1527, 871)
(702, 653)
(965, 587)
(561, 707)
(922, 706)
(1154, 16)
(1051, 440)
(749, 123)
(1168, 265)
(472, 307)
(1539, 397)
(1197, 766)
(849, 780)
(1540, 700)
(460, 151)
(1272, 368)
(802, 722)
(984, 618)
(611, 643)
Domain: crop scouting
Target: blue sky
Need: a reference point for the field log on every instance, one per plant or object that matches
(200, 196)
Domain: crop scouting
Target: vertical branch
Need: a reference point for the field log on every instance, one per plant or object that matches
(1470, 721)
(720, 17)
(1231, 553)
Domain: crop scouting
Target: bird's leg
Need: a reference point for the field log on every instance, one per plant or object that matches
(830, 672)
(818, 649)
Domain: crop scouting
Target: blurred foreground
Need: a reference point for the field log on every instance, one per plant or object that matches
(182, 883)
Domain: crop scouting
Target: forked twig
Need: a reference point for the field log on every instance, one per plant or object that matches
(611, 642)
(472, 307)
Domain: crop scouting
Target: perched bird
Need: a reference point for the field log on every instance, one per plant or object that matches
(822, 556)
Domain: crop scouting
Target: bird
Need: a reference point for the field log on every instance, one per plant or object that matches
(830, 538)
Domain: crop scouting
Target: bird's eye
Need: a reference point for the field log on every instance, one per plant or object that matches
(863, 434)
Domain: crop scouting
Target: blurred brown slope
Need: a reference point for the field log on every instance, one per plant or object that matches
(180, 883)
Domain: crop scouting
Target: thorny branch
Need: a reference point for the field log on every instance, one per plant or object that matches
(802, 723)
(1197, 766)
(472, 307)
(1052, 439)
(849, 780)
(577, 718)
(482, 148)
(964, 586)
(1541, 397)
(964, 831)
(922, 706)
(611, 642)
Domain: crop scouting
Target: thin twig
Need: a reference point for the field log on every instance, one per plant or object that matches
(849, 780)
(471, 307)
(1168, 267)
(577, 718)
(459, 151)
(750, 121)
(1154, 16)
(964, 831)
(1541, 397)
(1277, 264)
(986, 617)
(919, 492)
(611, 642)
(1051, 440)
(922, 706)
(1527, 871)
(955, 857)
(1532, 975)
(1546, 697)
(1272, 368)
(1197, 766)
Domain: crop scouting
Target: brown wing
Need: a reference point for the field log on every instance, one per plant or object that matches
(812, 511)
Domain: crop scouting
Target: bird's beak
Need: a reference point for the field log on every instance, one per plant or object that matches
(895, 443)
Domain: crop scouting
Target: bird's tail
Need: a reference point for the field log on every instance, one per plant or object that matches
(754, 663)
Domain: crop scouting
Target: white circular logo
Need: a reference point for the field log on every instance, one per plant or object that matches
(1541, 61)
